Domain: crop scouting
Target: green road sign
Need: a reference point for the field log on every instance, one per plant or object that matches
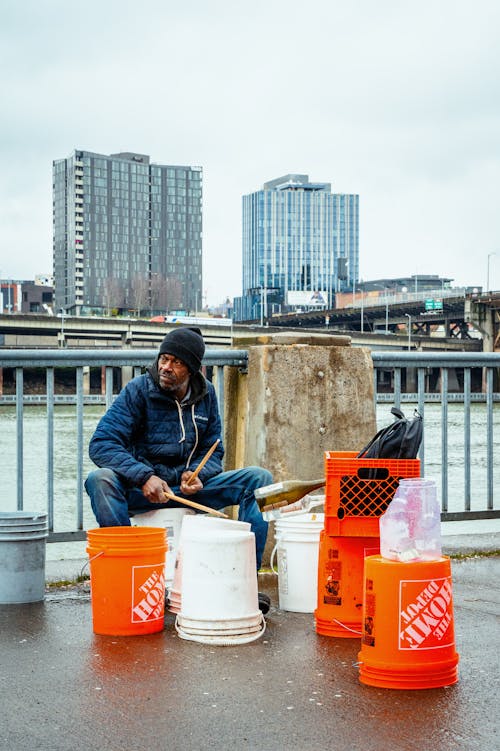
(431, 304)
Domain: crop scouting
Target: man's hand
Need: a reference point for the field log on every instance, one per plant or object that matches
(195, 486)
(154, 489)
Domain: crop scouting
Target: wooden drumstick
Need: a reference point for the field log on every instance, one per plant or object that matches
(203, 462)
(195, 505)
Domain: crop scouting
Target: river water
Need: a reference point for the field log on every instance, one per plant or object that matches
(65, 451)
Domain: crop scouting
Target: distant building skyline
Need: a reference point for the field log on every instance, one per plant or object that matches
(298, 238)
(26, 295)
(127, 234)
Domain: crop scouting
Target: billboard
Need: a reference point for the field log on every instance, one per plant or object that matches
(307, 299)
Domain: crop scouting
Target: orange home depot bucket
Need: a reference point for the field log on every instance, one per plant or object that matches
(408, 636)
(127, 582)
(340, 584)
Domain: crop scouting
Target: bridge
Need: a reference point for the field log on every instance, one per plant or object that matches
(465, 317)
(463, 322)
(30, 331)
(43, 331)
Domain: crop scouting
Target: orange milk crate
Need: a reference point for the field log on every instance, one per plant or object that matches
(358, 491)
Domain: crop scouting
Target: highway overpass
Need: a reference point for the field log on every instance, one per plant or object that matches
(463, 317)
(43, 331)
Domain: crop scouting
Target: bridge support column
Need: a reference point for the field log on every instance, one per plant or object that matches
(86, 379)
(411, 379)
(482, 317)
(127, 372)
(486, 320)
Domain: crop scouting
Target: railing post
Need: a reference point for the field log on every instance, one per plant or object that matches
(467, 447)
(20, 434)
(79, 447)
(489, 437)
(86, 379)
(50, 447)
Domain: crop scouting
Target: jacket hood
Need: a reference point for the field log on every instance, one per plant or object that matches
(196, 380)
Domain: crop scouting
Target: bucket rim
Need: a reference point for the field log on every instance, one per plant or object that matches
(24, 527)
(241, 619)
(228, 536)
(301, 519)
(236, 631)
(162, 512)
(29, 516)
(121, 537)
(297, 537)
(204, 518)
(125, 552)
(18, 536)
(414, 564)
(123, 530)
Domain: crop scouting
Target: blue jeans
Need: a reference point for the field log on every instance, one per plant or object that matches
(113, 502)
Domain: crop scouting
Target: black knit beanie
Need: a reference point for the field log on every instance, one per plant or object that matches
(187, 344)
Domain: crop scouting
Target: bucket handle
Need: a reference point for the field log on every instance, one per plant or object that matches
(101, 552)
(347, 628)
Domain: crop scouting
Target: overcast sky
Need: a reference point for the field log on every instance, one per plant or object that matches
(396, 101)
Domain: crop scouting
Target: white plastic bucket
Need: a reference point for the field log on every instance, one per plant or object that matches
(219, 587)
(172, 520)
(297, 549)
(204, 524)
(23, 536)
(219, 580)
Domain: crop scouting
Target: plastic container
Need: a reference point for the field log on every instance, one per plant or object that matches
(410, 529)
(23, 537)
(340, 584)
(358, 491)
(207, 525)
(127, 581)
(170, 519)
(219, 588)
(408, 639)
(297, 547)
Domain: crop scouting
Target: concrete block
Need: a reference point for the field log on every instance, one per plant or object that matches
(304, 400)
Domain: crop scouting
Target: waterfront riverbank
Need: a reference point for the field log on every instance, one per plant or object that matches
(65, 459)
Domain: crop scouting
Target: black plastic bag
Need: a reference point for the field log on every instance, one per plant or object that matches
(400, 440)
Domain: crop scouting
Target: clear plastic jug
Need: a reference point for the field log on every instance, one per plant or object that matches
(410, 529)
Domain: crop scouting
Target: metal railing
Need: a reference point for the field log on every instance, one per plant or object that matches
(465, 362)
(80, 360)
(399, 364)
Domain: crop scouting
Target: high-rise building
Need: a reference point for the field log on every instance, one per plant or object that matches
(127, 234)
(300, 246)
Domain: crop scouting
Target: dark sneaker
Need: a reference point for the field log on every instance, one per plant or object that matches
(264, 603)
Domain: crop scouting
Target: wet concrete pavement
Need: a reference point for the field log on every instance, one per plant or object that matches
(65, 688)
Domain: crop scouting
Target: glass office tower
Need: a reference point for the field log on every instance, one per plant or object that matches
(298, 237)
(127, 234)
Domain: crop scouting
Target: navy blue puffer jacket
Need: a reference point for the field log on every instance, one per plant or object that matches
(147, 432)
